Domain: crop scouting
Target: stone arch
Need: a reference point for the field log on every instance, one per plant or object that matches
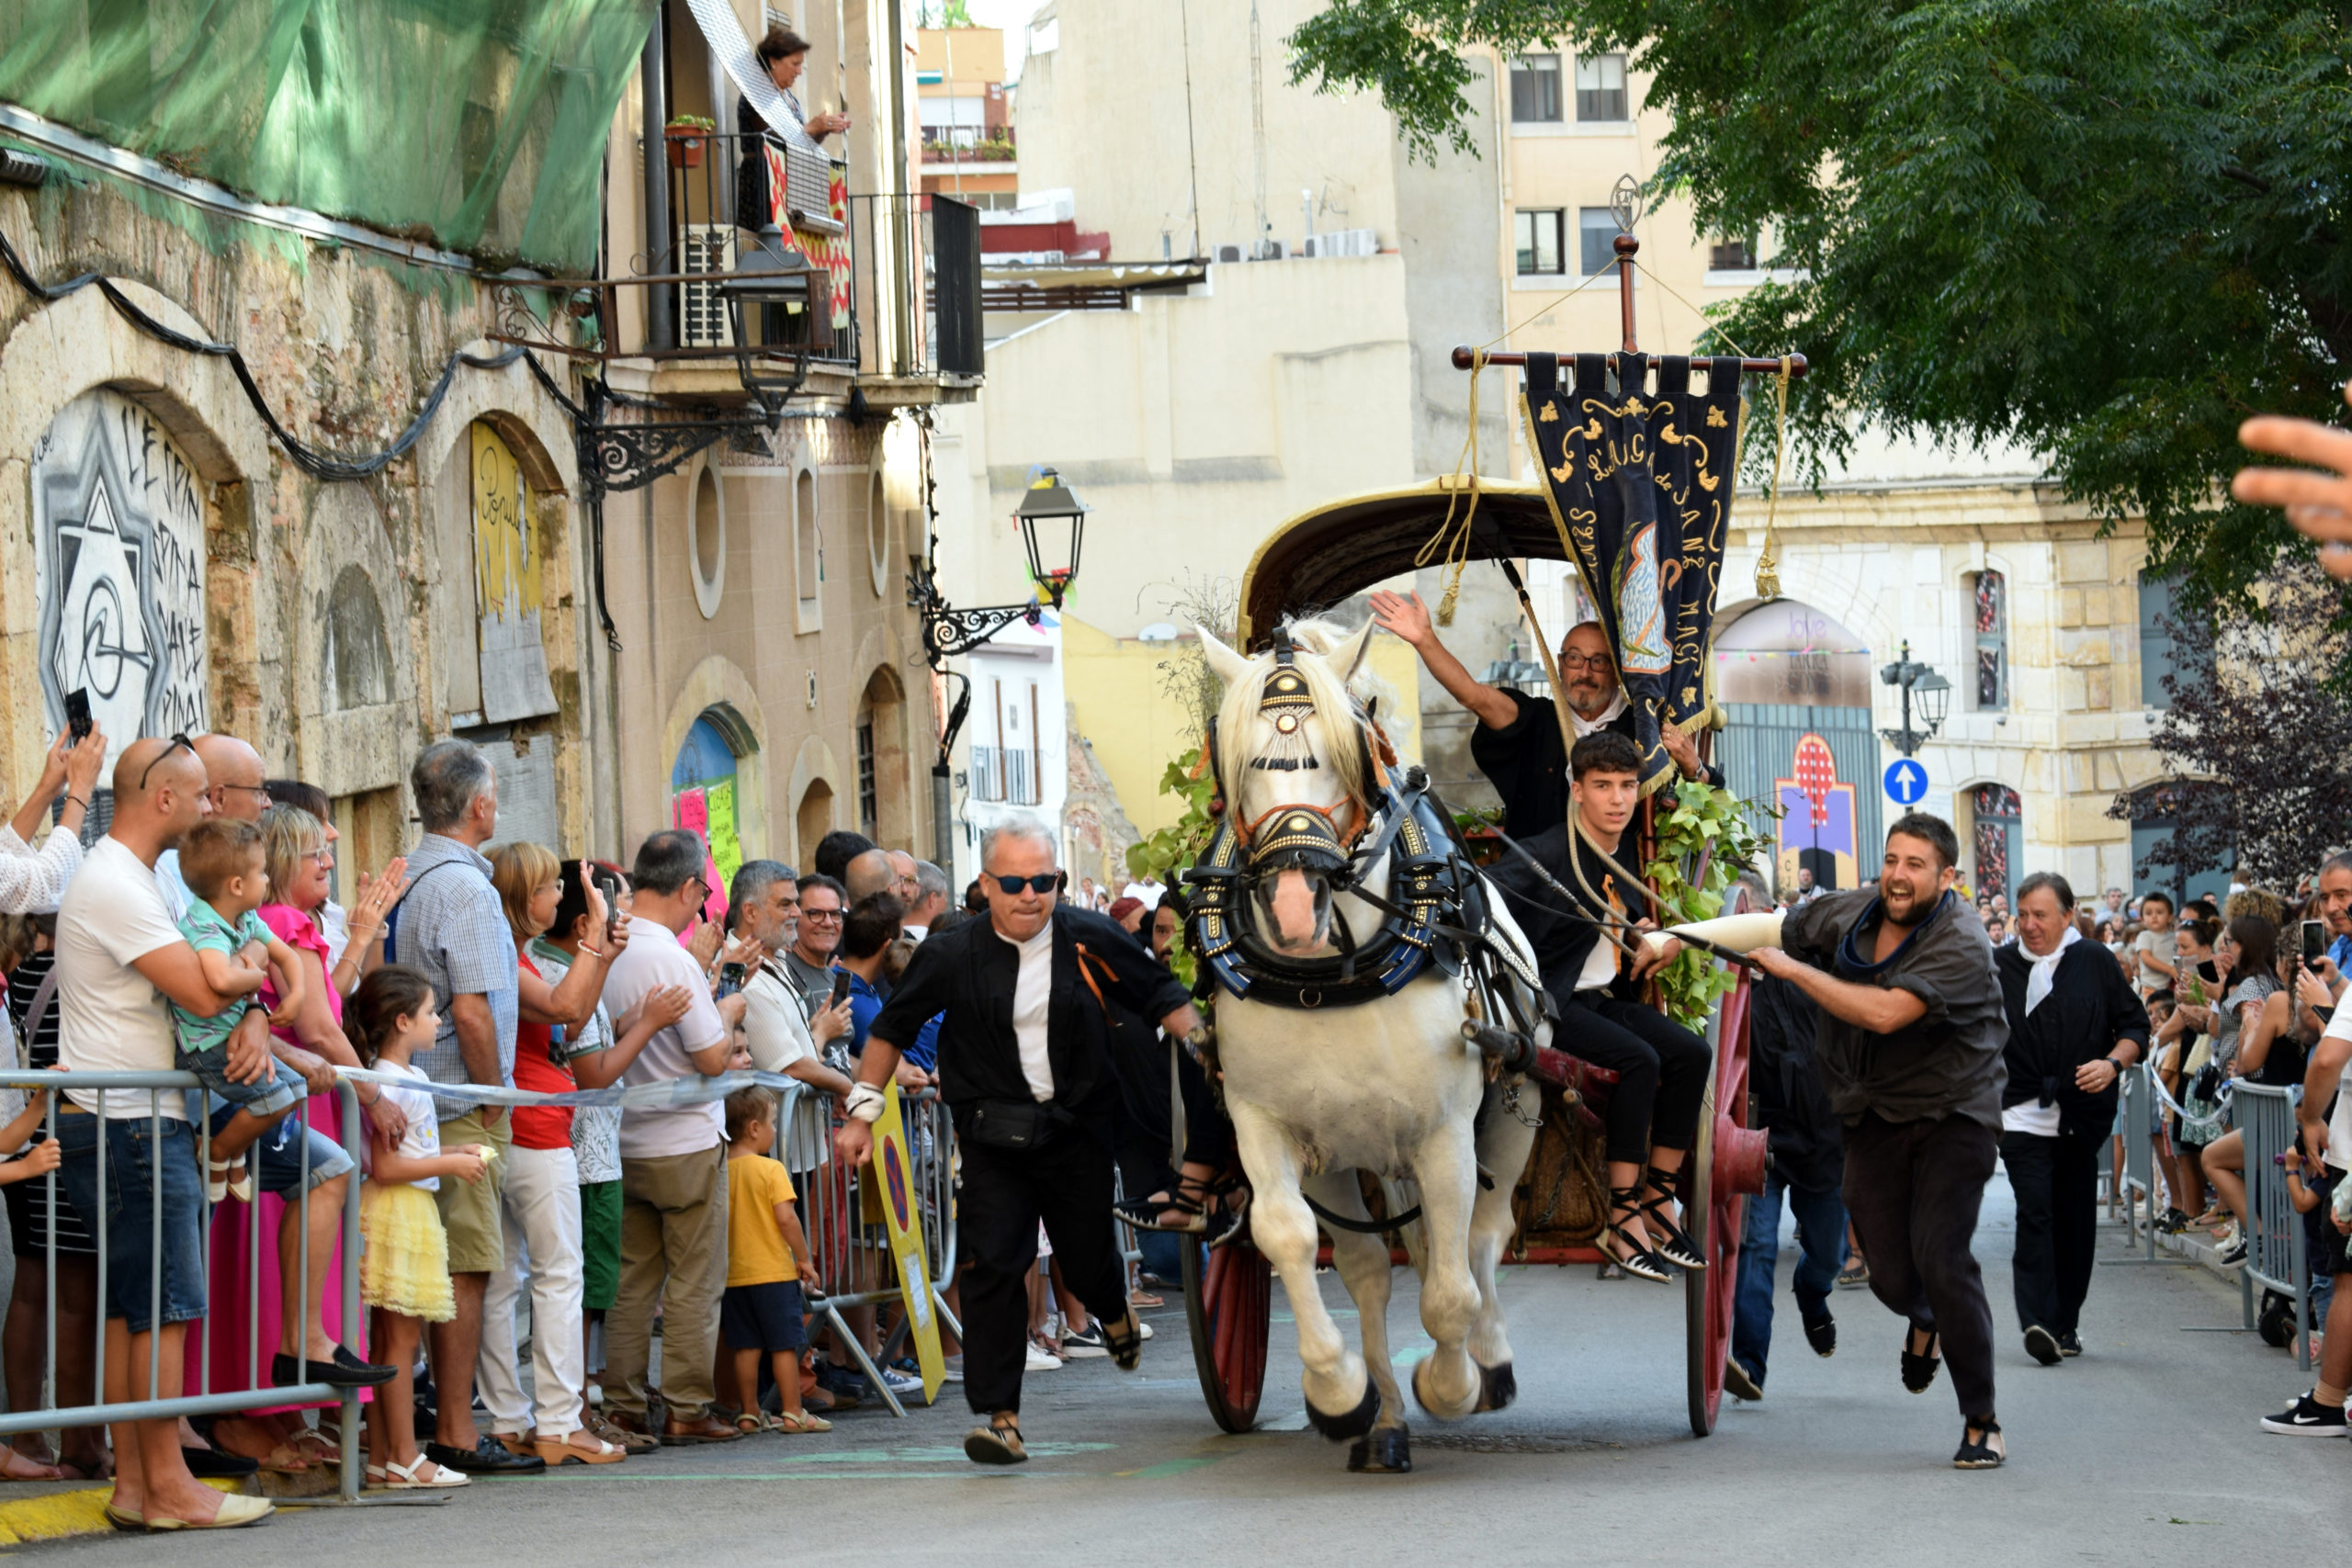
(882, 728)
(718, 690)
(816, 773)
(351, 736)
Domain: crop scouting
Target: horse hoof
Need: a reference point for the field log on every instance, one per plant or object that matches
(1436, 1410)
(1498, 1386)
(1388, 1451)
(1355, 1422)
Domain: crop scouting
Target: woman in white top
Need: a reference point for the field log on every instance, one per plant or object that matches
(34, 880)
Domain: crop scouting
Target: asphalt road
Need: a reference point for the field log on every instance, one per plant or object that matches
(2143, 1452)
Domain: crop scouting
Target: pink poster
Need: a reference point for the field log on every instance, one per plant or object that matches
(690, 809)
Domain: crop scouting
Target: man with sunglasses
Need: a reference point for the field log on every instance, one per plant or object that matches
(1024, 1063)
(1517, 744)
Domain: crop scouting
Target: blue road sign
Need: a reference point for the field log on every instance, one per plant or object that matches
(1907, 781)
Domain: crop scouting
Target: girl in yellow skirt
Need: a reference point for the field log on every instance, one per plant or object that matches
(404, 1268)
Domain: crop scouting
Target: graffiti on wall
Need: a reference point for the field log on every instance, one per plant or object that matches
(506, 584)
(118, 572)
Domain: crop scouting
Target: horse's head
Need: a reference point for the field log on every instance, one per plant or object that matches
(1291, 763)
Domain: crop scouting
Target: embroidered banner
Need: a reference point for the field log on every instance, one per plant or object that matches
(1640, 485)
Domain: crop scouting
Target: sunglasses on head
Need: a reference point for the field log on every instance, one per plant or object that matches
(178, 741)
(1044, 882)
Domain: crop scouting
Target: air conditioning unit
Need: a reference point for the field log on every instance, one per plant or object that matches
(1229, 252)
(1343, 242)
(703, 319)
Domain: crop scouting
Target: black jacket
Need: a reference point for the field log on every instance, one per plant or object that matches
(1808, 1143)
(2089, 1009)
(1528, 763)
(1562, 930)
(968, 972)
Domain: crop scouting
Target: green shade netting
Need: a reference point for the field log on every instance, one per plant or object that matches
(478, 125)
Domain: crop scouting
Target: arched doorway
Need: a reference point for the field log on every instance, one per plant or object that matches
(705, 786)
(1795, 687)
(882, 807)
(814, 818)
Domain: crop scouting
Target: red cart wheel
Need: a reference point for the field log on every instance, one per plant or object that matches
(1228, 1301)
(1729, 1164)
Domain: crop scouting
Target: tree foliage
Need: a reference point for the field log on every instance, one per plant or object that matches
(2257, 744)
(2106, 229)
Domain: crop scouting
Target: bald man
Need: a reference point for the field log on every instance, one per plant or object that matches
(1517, 744)
(868, 873)
(119, 959)
(235, 787)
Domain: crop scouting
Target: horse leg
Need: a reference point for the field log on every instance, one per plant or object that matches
(1503, 1147)
(1363, 1262)
(1446, 1382)
(1342, 1400)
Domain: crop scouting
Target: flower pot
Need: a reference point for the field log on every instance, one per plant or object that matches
(686, 146)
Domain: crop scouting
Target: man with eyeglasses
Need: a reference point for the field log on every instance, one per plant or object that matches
(823, 904)
(1517, 744)
(1024, 1063)
(235, 789)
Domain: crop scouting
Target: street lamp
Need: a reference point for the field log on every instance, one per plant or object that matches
(770, 279)
(1053, 527)
(1913, 679)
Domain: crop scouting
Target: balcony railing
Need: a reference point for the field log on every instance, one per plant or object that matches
(1003, 774)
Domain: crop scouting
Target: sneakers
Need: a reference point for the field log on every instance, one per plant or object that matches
(1083, 1344)
(2307, 1418)
(1042, 1361)
(2174, 1222)
(1821, 1333)
(2070, 1344)
(2043, 1346)
(902, 1385)
(952, 1368)
(2232, 1254)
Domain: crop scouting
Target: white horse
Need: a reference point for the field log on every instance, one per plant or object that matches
(1388, 1085)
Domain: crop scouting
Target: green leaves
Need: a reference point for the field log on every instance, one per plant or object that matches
(1169, 852)
(1704, 841)
(2103, 230)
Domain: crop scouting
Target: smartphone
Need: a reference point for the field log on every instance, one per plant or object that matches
(609, 885)
(2314, 943)
(2207, 972)
(731, 979)
(841, 987)
(77, 714)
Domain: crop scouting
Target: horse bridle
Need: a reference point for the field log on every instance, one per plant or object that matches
(1307, 832)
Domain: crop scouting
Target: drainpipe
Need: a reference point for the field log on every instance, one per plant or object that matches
(661, 331)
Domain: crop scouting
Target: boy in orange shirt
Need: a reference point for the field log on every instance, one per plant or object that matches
(767, 1257)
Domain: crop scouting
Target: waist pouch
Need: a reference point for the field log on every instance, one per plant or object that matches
(1010, 1125)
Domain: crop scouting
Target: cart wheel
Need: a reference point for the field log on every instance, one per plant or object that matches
(1714, 1218)
(1228, 1303)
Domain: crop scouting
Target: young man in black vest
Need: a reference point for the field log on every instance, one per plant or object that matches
(2074, 1025)
(1026, 1067)
(1912, 1032)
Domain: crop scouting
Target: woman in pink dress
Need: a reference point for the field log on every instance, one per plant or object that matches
(256, 1293)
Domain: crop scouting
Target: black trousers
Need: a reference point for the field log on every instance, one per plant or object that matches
(1067, 1184)
(1913, 1190)
(1661, 1071)
(2056, 1183)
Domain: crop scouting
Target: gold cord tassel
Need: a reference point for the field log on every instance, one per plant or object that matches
(1767, 563)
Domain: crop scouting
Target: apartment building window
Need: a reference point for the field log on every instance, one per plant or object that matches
(1538, 239)
(1992, 597)
(1535, 90)
(1597, 234)
(1601, 88)
(1732, 256)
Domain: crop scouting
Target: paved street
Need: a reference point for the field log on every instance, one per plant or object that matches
(2143, 1452)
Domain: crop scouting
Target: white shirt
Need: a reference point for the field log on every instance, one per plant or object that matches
(2340, 1125)
(778, 1036)
(1600, 965)
(2027, 1116)
(647, 964)
(32, 881)
(111, 1017)
(914, 933)
(177, 898)
(1032, 995)
(1601, 721)
(423, 1139)
(1149, 893)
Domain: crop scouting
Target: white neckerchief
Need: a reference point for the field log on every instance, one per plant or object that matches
(1585, 726)
(1033, 990)
(2045, 969)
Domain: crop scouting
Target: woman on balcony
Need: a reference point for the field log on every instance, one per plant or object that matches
(783, 54)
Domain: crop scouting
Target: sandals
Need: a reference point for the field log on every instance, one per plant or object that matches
(1918, 1367)
(1640, 1262)
(1981, 1447)
(1197, 1205)
(391, 1477)
(1677, 1247)
(1125, 1341)
(797, 1421)
(227, 1179)
(998, 1442)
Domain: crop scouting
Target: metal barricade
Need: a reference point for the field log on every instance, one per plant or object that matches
(164, 1095)
(852, 1254)
(2276, 1257)
(2136, 1098)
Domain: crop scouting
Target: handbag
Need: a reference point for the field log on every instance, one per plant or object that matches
(1013, 1125)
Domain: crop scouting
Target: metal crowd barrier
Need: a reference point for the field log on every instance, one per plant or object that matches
(852, 1253)
(162, 1090)
(2136, 1088)
(2276, 1257)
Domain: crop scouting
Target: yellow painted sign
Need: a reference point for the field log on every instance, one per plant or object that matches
(892, 1182)
(515, 682)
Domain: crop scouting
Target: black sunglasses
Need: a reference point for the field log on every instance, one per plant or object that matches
(1044, 882)
(177, 742)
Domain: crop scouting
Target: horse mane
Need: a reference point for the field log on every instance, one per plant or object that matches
(1342, 705)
